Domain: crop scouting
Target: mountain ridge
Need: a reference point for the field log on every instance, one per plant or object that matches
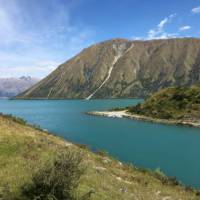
(11, 86)
(146, 67)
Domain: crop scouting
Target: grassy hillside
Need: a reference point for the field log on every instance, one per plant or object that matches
(142, 68)
(23, 149)
(172, 103)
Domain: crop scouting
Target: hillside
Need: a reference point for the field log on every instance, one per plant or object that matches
(10, 87)
(122, 68)
(24, 148)
(176, 103)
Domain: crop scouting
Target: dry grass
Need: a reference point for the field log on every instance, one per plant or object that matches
(23, 149)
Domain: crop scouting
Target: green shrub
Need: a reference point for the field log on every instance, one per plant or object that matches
(116, 109)
(160, 176)
(83, 146)
(102, 153)
(56, 180)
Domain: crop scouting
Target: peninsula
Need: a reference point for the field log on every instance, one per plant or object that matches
(174, 105)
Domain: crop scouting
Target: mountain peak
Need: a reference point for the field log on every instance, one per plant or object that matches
(121, 68)
(26, 78)
(10, 87)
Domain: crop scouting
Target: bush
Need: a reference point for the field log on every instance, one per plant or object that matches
(116, 109)
(57, 180)
(135, 109)
(83, 146)
(160, 176)
(102, 153)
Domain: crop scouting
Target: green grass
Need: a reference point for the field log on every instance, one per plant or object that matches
(172, 103)
(23, 149)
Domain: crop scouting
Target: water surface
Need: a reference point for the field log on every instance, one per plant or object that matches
(174, 149)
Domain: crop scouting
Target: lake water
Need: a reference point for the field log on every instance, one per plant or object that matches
(173, 149)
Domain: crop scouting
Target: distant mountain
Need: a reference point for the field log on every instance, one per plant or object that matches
(121, 68)
(10, 87)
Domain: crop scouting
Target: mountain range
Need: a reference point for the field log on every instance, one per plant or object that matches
(10, 87)
(121, 68)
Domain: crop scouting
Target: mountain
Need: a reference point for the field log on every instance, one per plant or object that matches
(180, 103)
(122, 68)
(24, 150)
(10, 87)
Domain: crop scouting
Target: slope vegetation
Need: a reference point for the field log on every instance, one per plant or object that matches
(172, 103)
(24, 148)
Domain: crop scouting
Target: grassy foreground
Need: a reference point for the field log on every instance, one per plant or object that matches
(24, 148)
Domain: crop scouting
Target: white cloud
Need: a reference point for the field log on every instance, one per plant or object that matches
(196, 10)
(158, 32)
(33, 71)
(166, 20)
(136, 38)
(162, 23)
(185, 28)
(7, 28)
(34, 68)
(35, 47)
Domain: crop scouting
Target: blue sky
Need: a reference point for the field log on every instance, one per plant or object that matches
(37, 35)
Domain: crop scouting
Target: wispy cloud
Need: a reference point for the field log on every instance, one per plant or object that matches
(17, 71)
(163, 22)
(185, 28)
(196, 10)
(32, 37)
(159, 32)
(25, 65)
(136, 38)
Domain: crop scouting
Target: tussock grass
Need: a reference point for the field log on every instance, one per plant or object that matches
(23, 149)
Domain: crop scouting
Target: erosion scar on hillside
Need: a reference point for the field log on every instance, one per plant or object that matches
(120, 53)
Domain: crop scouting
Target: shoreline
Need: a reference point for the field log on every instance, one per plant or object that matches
(126, 114)
(165, 181)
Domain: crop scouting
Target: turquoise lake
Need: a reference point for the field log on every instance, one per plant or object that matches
(173, 149)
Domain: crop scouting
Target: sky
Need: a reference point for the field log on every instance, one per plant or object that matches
(38, 35)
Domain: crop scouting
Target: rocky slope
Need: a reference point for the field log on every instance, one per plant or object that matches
(123, 68)
(10, 87)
